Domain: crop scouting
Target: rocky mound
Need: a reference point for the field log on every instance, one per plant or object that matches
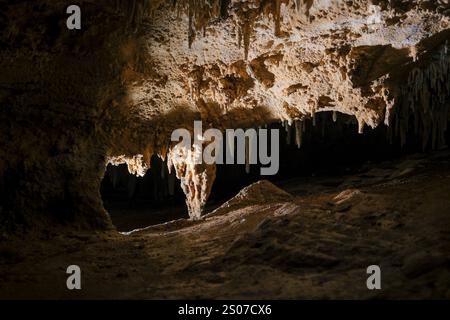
(259, 193)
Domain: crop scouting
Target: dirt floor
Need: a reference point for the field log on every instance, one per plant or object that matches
(313, 240)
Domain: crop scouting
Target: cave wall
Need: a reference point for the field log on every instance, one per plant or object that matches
(73, 101)
(60, 94)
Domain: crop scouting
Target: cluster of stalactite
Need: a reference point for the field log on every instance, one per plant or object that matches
(135, 164)
(202, 12)
(245, 13)
(135, 10)
(423, 108)
(296, 130)
(158, 177)
(196, 177)
(426, 106)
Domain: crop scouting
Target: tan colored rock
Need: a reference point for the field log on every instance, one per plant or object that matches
(72, 102)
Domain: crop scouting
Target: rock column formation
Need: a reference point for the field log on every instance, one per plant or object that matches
(196, 178)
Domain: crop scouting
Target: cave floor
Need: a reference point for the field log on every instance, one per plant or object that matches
(265, 243)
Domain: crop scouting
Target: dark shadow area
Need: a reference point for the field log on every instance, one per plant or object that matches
(135, 202)
(329, 149)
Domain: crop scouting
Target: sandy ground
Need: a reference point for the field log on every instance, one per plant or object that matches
(313, 241)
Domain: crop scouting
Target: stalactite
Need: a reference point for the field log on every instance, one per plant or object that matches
(303, 7)
(201, 12)
(288, 133)
(114, 174)
(277, 17)
(334, 116)
(163, 170)
(361, 125)
(247, 155)
(134, 10)
(286, 125)
(246, 32)
(191, 30)
(298, 133)
(196, 179)
(135, 164)
(423, 104)
(131, 186)
(323, 124)
(147, 155)
(162, 153)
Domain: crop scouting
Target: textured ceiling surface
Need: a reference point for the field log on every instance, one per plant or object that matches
(283, 60)
(74, 101)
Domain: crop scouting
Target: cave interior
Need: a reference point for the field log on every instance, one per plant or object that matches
(359, 92)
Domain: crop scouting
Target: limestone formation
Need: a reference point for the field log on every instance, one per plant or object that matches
(196, 178)
(74, 101)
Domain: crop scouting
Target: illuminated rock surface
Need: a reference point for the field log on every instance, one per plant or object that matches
(113, 92)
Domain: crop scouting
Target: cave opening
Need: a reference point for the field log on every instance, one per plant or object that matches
(134, 202)
(327, 150)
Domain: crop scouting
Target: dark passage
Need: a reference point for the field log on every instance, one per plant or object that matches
(331, 149)
(135, 202)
